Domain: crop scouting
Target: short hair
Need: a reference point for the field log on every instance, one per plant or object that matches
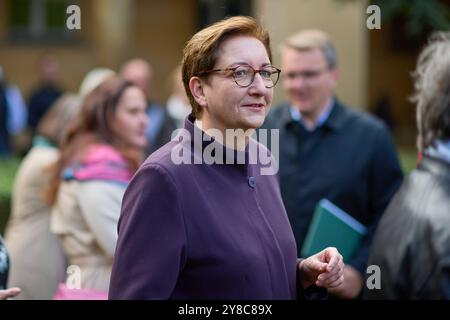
(313, 39)
(201, 51)
(432, 91)
(92, 79)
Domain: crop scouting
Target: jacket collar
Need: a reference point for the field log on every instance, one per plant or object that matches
(336, 119)
(200, 144)
(435, 166)
(439, 149)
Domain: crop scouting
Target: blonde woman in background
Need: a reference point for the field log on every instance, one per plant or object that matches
(101, 151)
(37, 260)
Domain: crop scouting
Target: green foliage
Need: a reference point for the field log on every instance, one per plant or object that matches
(8, 168)
(408, 159)
(420, 15)
(19, 13)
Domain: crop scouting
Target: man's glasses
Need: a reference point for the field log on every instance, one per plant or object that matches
(245, 75)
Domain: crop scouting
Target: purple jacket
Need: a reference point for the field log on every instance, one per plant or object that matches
(199, 231)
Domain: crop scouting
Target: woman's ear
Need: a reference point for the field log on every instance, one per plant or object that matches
(196, 87)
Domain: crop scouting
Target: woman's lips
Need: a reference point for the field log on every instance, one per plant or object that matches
(254, 105)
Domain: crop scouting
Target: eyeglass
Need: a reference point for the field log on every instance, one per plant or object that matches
(245, 75)
(307, 75)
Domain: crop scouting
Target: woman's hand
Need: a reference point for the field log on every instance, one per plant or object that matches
(9, 293)
(351, 287)
(324, 269)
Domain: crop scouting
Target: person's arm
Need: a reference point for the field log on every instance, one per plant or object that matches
(100, 204)
(9, 293)
(150, 251)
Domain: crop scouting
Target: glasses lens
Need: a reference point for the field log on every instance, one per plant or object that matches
(271, 76)
(274, 76)
(243, 76)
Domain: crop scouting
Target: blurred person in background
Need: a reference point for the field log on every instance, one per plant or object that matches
(178, 105)
(42, 268)
(5, 143)
(412, 243)
(4, 269)
(38, 263)
(13, 117)
(47, 90)
(328, 150)
(161, 125)
(102, 149)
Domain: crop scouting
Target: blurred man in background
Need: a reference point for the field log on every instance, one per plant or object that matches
(47, 91)
(328, 150)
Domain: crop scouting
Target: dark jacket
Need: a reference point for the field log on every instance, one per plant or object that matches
(412, 243)
(41, 100)
(350, 160)
(160, 127)
(5, 147)
(199, 231)
(4, 265)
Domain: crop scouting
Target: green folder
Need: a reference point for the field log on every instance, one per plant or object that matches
(332, 227)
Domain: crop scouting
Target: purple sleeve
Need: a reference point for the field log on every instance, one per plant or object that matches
(150, 251)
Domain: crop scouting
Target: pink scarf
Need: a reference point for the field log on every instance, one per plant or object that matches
(101, 162)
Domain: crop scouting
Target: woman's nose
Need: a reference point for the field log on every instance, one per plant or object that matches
(258, 85)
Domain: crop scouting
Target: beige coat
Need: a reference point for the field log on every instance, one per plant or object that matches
(85, 217)
(37, 261)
